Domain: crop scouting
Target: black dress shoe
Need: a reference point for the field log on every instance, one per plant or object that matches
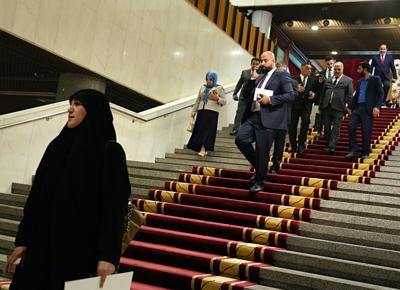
(273, 170)
(331, 150)
(256, 188)
(300, 150)
(327, 148)
(252, 178)
(352, 154)
(234, 132)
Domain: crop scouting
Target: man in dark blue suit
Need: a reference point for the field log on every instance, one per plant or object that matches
(382, 65)
(363, 108)
(265, 115)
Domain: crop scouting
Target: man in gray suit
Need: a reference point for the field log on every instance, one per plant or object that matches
(337, 92)
(244, 77)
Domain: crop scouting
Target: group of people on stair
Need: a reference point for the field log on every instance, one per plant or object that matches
(75, 214)
(272, 102)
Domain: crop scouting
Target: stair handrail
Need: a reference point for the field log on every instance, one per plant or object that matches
(145, 116)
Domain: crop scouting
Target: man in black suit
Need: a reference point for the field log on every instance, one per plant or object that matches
(265, 114)
(364, 107)
(328, 72)
(337, 92)
(279, 142)
(242, 102)
(324, 75)
(307, 89)
(382, 64)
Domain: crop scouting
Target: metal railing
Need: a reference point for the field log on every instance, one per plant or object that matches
(145, 116)
(47, 116)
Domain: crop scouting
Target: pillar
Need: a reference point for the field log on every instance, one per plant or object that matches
(70, 83)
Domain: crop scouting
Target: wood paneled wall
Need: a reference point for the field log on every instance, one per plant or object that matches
(235, 24)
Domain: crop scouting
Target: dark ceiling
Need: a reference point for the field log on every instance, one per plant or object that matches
(355, 29)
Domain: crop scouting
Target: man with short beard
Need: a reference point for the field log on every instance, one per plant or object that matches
(269, 92)
(364, 107)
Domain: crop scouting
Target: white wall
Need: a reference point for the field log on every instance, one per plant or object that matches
(22, 146)
(161, 48)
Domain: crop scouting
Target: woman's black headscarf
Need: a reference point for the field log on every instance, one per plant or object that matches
(99, 119)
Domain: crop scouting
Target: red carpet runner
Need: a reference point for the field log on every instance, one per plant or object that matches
(207, 229)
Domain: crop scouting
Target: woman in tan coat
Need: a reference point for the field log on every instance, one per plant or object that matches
(208, 103)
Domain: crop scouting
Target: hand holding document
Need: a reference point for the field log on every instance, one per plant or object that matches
(113, 282)
(259, 92)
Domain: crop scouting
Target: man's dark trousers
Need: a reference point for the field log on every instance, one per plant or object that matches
(332, 118)
(250, 131)
(241, 108)
(386, 86)
(279, 147)
(360, 115)
(305, 122)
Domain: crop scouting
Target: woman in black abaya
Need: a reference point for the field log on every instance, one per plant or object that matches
(73, 218)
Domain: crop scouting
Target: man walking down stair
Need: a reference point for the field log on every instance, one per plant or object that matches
(265, 115)
(244, 77)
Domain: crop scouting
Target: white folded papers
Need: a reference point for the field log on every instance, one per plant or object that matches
(259, 91)
(113, 282)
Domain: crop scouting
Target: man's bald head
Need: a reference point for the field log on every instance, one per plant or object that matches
(268, 59)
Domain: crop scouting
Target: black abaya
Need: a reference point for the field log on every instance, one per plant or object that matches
(204, 131)
(74, 214)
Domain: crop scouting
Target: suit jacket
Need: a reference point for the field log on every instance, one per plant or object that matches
(323, 73)
(383, 70)
(244, 77)
(302, 102)
(341, 93)
(373, 94)
(275, 114)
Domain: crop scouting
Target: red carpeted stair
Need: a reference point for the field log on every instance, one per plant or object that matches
(206, 230)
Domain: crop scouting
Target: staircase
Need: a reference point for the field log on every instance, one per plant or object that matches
(323, 222)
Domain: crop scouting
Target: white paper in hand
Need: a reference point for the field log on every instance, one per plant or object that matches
(113, 282)
(259, 91)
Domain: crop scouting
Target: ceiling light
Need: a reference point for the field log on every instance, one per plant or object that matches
(325, 22)
(314, 27)
(290, 23)
(334, 52)
(387, 20)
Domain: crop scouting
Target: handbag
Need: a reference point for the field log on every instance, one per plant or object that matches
(191, 125)
(133, 220)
